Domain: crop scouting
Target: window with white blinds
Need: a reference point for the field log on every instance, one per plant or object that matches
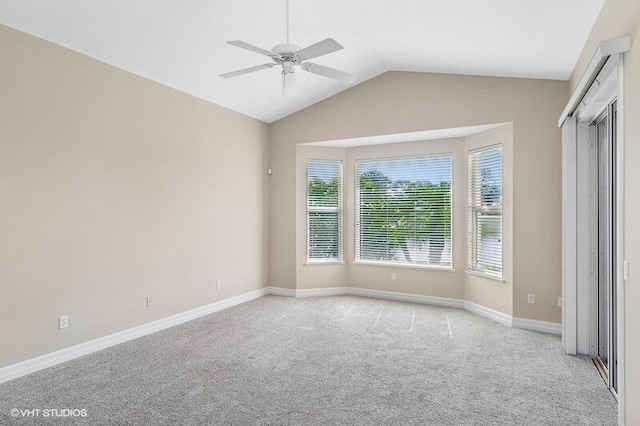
(403, 211)
(324, 210)
(485, 211)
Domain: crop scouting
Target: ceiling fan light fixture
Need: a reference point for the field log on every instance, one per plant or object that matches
(289, 83)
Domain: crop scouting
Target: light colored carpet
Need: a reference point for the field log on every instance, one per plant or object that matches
(320, 361)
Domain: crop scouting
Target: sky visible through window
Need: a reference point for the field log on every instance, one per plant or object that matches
(425, 169)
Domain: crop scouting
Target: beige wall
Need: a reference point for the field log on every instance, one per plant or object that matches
(481, 290)
(619, 18)
(114, 188)
(398, 102)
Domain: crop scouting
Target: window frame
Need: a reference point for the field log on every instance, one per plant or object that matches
(356, 216)
(471, 210)
(339, 209)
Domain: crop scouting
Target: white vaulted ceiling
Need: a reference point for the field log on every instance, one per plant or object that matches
(182, 43)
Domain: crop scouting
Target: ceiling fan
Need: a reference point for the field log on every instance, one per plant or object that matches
(288, 56)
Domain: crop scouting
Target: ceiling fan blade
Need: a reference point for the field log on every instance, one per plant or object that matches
(329, 72)
(246, 70)
(251, 47)
(318, 49)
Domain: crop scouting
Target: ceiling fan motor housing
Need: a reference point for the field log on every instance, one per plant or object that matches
(287, 51)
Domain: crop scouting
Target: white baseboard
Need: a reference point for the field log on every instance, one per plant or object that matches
(405, 297)
(310, 292)
(35, 364)
(500, 317)
(378, 294)
(281, 291)
(494, 315)
(535, 325)
(319, 292)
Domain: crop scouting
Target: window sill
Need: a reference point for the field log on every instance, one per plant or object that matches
(431, 268)
(323, 262)
(486, 276)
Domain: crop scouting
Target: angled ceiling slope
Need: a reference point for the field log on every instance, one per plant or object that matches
(182, 44)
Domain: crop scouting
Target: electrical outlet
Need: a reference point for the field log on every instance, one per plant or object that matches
(531, 298)
(560, 302)
(393, 276)
(218, 284)
(149, 301)
(63, 322)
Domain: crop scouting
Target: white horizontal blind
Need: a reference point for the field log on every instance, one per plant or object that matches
(324, 210)
(485, 211)
(404, 210)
